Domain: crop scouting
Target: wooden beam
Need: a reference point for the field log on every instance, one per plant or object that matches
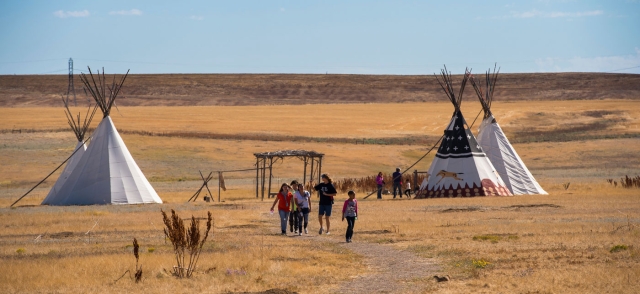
(257, 174)
(311, 171)
(319, 172)
(270, 174)
(264, 171)
(304, 175)
(219, 177)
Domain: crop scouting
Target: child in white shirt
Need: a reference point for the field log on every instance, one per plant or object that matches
(302, 200)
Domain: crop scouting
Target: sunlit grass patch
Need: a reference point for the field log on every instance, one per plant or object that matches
(494, 238)
(480, 263)
(618, 248)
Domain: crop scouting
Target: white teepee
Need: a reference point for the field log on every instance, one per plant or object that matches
(106, 173)
(460, 167)
(495, 144)
(79, 130)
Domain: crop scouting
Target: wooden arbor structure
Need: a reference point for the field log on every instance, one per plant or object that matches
(265, 160)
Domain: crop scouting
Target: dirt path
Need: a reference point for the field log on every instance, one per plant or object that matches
(389, 270)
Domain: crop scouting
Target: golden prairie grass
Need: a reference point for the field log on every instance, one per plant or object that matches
(556, 243)
(243, 255)
(172, 164)
(340, 120)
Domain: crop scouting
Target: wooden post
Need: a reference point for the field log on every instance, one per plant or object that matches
(319, 172)
(270, 175)
(257, 174)
(264, 171)
(415, 180)
(311, 171)
(219, 177)
(304, 175)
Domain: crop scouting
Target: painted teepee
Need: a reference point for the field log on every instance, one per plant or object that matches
(79, 128)
(460, 167)
(106, 173)
(495, 144)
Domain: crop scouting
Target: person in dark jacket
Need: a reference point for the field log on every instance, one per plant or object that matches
(397, 183)
(327, 192)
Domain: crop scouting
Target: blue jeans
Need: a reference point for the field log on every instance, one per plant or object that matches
(303, 215)
(399, 187)
(293, 220)
(379, 191)
(284, 215)
(351, 222)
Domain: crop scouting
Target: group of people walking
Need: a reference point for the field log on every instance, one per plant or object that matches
(294, 206)
(397, 184)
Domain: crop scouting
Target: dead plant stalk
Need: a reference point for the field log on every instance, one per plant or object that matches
(185, 241)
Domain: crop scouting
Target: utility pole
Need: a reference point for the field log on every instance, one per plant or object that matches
(71, 89)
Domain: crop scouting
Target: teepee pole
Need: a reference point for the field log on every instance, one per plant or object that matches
(45, 178)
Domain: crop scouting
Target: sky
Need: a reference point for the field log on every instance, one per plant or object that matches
(337, 37)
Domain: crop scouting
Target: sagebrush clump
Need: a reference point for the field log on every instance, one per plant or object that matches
(185, 241)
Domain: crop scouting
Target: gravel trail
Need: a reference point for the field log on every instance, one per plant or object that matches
(389, 270)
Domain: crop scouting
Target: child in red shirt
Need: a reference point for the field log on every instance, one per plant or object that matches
(284, 201)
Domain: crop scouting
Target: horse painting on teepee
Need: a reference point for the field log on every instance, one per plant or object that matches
(460, 167)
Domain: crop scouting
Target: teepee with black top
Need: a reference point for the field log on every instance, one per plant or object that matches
(460, 167)
(496, 145)
(106, 173)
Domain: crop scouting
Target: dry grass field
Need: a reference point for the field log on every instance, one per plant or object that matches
(278, 89)
(581, 239)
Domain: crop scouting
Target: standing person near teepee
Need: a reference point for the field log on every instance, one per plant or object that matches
(380, 184)
(327, 192)
(397, 182)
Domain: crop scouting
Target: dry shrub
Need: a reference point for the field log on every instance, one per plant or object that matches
(138, 274)
(185, 241)
(626, 182)
(368, 184)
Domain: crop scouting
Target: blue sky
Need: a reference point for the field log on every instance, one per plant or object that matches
(347, 37)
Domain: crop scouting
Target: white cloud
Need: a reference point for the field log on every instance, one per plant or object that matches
(65, 14)
(617, 63)
(126, 12)
(553, 14)
(196, 17)
(282, 9)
